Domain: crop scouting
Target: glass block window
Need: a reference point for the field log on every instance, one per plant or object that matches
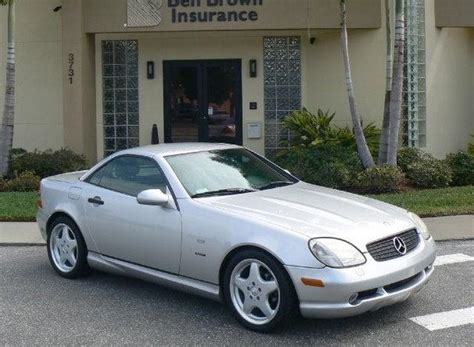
(414, 93)
(282, 87)
(120, 94)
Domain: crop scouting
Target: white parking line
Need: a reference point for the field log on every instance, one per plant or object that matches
(452, 258)
(448, 319)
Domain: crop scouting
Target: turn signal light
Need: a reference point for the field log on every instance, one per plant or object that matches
(312, 282)
(39, 203)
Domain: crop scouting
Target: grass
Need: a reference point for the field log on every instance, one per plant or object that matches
(426, 203)
(434, 202)
(18, 207)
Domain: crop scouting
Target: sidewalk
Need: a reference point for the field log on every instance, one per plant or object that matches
(20, 233)
(442, 228)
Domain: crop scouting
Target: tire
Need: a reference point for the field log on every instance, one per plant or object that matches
(259, 291)
(67, 250)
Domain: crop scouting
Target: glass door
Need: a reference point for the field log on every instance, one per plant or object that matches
(183, 99)
(203, 101)
(222, 96)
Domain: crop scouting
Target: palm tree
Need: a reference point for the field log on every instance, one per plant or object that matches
(395, 106)
(362, 148)
(382, 157)
(6, 138)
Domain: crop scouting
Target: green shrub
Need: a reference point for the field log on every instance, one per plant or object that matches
(462, 166)
(470, 147)
(47, 163)
(379, 179)
(25, 182)
(328, 165)
(409, 155)
(316, 129)
(429, 173)
(422, 169)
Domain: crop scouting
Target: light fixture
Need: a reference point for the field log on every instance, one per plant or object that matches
(150, 70)
(253, 68)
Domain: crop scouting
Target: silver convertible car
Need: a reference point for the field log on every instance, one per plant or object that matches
(223, 222)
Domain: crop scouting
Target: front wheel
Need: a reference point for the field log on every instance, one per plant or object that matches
(259, 291)
(67, 249)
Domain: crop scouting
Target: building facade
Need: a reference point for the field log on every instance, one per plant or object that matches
(97, 75)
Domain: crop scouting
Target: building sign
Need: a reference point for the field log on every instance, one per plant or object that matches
(146, 13)
(208, 11)
(111, 16)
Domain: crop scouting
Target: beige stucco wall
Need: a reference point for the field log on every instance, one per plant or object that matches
(323, 83)
(454, 13)
(79, 92)
(39, 99)
(43, 42)
(158, 47)
(450, 86)
(324, 80)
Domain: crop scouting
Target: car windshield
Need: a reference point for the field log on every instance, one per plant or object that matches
(225, 172)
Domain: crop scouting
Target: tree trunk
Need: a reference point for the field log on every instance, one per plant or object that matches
(6, 139)
(397, 84)
(362, 148)
(382, 158)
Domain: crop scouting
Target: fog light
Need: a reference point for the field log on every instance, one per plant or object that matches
(353, 298)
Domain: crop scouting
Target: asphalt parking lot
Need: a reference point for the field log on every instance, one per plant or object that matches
(39, 307)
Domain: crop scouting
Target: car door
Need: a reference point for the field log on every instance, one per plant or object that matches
(124, 229)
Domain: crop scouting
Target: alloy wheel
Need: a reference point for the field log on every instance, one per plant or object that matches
(63, 247)
(254, 291)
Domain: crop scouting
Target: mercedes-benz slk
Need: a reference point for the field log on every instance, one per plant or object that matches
(222, 221)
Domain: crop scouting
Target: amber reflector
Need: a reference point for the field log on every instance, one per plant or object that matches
(312, 282)
(39, 203)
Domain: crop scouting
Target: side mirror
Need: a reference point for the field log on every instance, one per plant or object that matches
(152, 197)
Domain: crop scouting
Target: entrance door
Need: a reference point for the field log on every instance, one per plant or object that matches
(203, 101)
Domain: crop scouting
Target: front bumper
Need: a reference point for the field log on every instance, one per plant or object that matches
(377, 284)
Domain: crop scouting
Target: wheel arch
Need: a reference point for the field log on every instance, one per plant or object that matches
(58, 214)
(241, 248)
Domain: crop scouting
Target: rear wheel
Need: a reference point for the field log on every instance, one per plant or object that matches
(67, 250)
(259, 291)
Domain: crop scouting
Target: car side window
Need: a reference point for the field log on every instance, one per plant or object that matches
(129, 175)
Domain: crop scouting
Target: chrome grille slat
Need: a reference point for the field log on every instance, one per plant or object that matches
(385, 250)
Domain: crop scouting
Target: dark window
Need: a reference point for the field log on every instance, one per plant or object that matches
(129, 175)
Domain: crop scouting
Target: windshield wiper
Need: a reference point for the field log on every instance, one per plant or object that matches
(227, 191)
(275, 184)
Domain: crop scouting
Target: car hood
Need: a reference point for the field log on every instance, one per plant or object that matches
(319, 212)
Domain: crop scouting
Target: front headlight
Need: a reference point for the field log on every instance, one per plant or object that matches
(420, 225)
(336, 253)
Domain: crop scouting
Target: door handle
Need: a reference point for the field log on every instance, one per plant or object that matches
(96, 200)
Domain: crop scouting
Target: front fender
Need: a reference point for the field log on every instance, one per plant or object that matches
(210, 234)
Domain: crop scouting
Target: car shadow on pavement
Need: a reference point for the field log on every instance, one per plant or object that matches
(160, 298)
(134, 305)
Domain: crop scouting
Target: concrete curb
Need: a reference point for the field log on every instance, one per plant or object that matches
(20, 233)
(442, 229)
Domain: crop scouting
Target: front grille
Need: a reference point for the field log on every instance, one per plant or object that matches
(385, 249)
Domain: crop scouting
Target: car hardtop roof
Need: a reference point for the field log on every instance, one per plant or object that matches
(178, 148)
